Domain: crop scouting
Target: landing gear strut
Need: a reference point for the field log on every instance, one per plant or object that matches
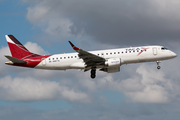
(93, 73)
(158, 67)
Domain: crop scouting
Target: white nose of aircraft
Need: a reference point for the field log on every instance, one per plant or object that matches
(173, 54)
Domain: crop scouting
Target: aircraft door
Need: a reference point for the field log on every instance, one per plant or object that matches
(154, 51)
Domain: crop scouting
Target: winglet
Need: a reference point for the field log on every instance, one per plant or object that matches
(74, 47)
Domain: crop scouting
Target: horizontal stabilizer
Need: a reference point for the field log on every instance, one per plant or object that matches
(15, 60)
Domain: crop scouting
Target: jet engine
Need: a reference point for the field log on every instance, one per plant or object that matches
(113, 62)
(113, 65)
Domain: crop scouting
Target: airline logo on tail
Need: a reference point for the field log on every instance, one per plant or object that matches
(17, 49)
(21, 55)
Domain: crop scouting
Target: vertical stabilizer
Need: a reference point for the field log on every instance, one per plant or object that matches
(17, 49)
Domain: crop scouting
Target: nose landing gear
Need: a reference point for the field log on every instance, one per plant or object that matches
(158, 67)
(158, 62)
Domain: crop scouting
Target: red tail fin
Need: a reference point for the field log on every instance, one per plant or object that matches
(17, 49)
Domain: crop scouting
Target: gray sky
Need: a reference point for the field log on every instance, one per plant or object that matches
(124, 22)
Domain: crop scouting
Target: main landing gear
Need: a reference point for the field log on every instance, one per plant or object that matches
(93, 73)
(158, 62)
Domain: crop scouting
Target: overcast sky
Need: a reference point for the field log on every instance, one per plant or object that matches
(138, 92)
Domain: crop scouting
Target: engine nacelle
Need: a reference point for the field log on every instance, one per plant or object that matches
(113, 62)
(111, 69)
(112, 65)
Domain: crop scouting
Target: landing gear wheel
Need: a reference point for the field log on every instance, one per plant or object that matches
(158, 62)
(93, 76)
(93, 73)
(158, 67)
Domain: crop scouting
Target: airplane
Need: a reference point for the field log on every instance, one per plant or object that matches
(108, 60)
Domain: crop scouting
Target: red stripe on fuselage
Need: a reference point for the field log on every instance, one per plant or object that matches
(32, 62)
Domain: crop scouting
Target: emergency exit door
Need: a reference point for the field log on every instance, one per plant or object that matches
(154, 51)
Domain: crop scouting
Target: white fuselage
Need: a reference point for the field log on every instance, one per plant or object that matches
(127, 56)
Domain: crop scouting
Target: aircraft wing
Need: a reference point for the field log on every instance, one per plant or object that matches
(91, 60)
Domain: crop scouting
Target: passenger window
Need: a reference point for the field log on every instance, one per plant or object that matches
(53, 58)
(64, 57)
(114, 52)
(49, 58)
(71, 56)
(60, 57)
(57, 58)
(118, 52)
(122, 52)
(111, 53)
(106, 53)
(68, 57)
(75, 56)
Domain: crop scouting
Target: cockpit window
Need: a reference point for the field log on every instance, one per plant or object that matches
(163, 48)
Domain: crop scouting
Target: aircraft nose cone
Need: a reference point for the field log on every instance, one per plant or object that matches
(174, 54)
